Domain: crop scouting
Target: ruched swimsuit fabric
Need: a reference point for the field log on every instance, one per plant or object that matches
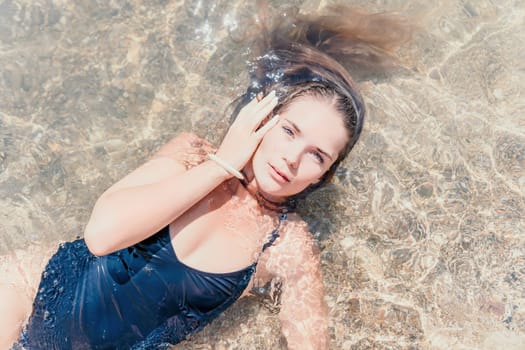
(141, 297)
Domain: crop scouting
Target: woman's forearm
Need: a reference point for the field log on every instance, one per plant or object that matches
(128, 215)
(304, 323)
(306, 335)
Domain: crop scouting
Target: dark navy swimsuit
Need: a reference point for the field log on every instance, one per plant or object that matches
(141, 297)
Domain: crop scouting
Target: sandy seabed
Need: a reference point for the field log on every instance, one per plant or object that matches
(423, 246)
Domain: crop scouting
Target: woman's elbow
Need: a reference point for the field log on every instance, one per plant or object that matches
(97, 239)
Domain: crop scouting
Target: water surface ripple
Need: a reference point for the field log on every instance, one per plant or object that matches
(423, 245)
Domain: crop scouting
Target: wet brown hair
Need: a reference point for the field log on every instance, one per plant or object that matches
(305, 55)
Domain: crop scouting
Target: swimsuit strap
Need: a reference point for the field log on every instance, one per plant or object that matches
(275, 232)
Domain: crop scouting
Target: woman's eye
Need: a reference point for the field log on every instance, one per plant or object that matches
(288, 130)
(319, 157)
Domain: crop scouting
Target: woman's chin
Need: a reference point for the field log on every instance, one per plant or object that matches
(271, 191)
(272, 188)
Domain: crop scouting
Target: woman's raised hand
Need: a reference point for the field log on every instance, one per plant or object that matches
(246, 132)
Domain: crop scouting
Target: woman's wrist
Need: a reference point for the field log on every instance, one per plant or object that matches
(225, 166)
(216, 171)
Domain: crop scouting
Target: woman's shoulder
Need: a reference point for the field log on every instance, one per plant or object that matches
(301, 236)
(181, 153)
(296, 247)
(296, 229)
(186, 148)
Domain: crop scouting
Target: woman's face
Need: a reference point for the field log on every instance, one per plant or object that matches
(300, 148)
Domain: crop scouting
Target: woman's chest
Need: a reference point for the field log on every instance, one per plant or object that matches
(219, 237)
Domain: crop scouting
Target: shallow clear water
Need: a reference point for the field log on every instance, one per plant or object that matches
(423, 245)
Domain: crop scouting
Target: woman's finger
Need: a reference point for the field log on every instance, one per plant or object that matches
(262, 113)
(254, 106)
(251, 105)
(270, 124)
(268, 99)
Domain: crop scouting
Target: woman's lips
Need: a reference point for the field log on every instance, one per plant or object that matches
(279, 174)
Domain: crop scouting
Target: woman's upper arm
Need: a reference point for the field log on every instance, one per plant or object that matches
(303, 314)
(141, 203)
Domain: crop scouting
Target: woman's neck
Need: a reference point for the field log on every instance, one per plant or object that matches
(251, 188)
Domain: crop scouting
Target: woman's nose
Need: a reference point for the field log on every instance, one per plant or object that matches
(292, 156)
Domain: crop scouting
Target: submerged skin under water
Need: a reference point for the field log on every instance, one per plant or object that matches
(421, 231)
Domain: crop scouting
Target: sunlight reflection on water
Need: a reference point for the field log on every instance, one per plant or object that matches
(421, 232)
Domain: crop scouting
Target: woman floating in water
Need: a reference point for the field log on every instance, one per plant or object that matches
(176, 242)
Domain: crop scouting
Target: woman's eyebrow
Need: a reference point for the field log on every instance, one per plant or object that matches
(325, 153)
(297, 130)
